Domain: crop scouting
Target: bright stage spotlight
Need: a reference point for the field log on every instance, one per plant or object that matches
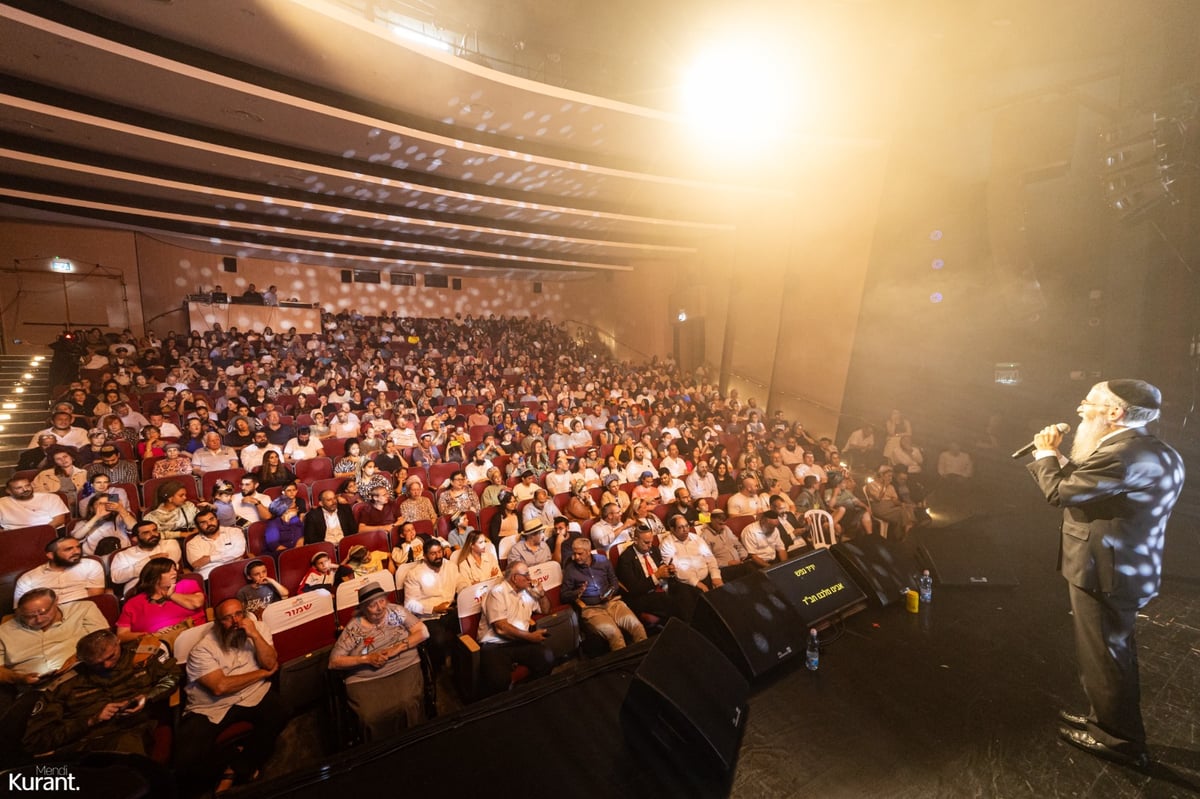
(741, 91)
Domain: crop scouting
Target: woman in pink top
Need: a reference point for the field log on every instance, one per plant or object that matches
(161, 606)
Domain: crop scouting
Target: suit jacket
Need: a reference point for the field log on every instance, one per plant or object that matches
(314, 523)
(1115, 503)
(632, 575)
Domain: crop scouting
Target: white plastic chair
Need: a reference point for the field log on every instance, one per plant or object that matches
(820, 528)
(506, 545)
(188, 639)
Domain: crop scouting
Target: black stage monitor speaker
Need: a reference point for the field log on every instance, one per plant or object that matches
(882, 569)
(687, 700)
(817, 587)
(752, 623)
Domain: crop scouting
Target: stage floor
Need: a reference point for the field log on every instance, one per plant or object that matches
(961, 700)
(958, 701)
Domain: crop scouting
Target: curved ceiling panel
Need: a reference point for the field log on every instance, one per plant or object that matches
(182, 119)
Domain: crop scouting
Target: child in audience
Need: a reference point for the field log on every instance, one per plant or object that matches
(320, 576)
(359, 562)
(260, 590)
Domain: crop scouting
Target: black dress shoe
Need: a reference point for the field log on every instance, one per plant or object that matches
(1075, 720)
(1082, 740)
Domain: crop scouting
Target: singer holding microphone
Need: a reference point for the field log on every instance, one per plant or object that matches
(1116, 490)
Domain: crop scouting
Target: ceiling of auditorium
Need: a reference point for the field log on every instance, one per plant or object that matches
(306, 130)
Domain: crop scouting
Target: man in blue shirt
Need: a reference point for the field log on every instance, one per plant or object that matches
(590, 583)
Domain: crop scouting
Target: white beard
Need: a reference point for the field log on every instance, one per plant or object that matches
(1087, 437)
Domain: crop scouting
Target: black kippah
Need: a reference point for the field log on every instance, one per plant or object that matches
(1136, 393)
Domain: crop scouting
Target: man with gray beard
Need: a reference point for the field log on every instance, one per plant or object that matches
(228, 673)
(1116, 490)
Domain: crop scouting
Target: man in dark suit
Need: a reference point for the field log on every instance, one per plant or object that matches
(330, 521)
(1116, 490)
(646, 581)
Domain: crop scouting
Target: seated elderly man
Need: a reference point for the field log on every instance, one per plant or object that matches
(105, 701)
(41, 636)
(645, 576)
(762, 540)
(506, 630)
(780, 471)
(731, 555)
(378, 649)
(228, 674)
(590, 583)
(533, 549)
(213, 456)
(25, 508)
(329, 521)
(701, 482)
(541, 508)
(611, 528)
(694, 562)
(67, 571)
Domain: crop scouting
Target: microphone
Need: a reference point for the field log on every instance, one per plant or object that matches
(1061, 427)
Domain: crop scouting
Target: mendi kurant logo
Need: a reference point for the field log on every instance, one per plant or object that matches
(43, 779)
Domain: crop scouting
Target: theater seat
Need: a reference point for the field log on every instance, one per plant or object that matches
(464, 655)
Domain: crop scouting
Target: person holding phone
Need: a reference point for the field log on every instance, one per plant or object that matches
(102, 702)
(108, 519)
(590, 584)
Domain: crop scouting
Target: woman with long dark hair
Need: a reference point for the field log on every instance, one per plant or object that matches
(161, 605)
(272, 472)
(506, 521)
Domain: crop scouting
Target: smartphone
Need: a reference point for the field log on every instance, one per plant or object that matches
(113, 497)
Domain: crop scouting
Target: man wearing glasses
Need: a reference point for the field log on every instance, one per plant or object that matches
(506, 631)
(37, 641)
(1116, 490)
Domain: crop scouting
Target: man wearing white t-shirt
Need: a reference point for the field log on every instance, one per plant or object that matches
(23, 507)
(66, 571)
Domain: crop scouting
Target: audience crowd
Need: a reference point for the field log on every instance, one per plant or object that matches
(464, 453)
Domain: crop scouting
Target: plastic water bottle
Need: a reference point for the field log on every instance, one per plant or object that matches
(812, 655)
(925, 583)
